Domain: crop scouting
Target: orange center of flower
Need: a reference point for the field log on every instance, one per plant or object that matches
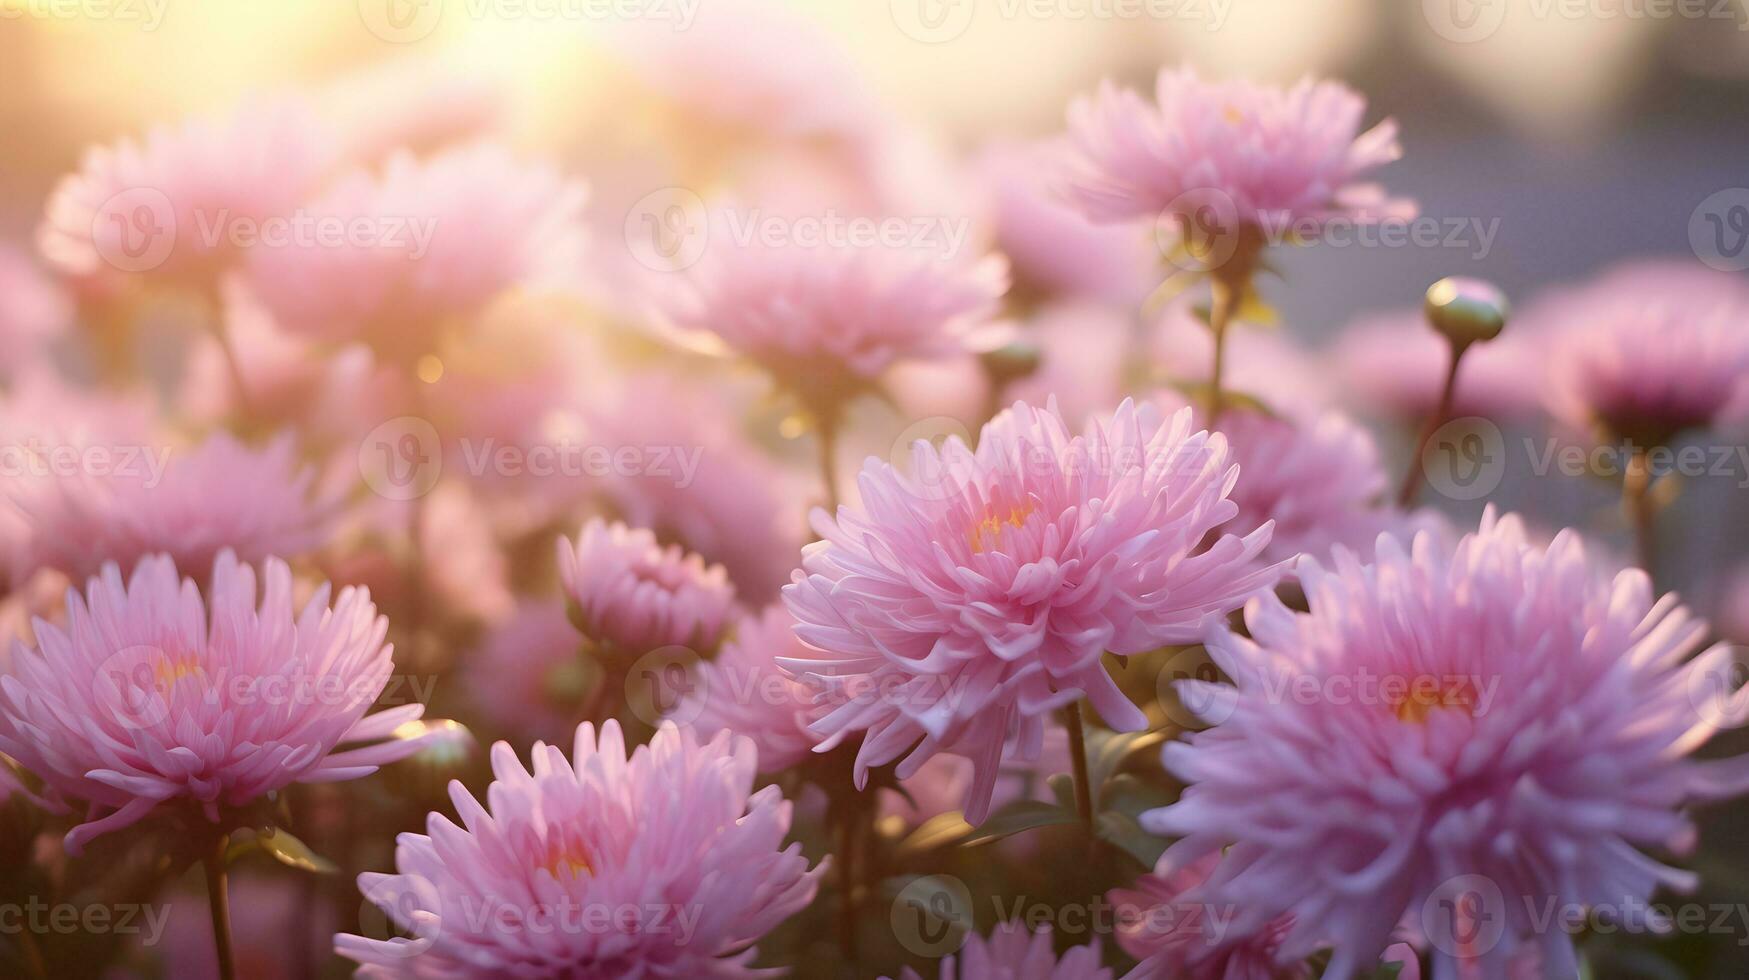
(566, 859)
(988, 532)
(1233, 115)
(175, 667)
(1427, 694)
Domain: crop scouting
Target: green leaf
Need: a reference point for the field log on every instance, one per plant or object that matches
(284, 848)
(1122, 831)
(1019, 816)
(941, 830)
(1111, 751)
(1386, 971)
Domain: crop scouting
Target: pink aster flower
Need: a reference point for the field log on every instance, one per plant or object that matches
(978, 594)
(826, 320)
(147, 499)
(167, 206)
(1012, 953)
(443, 238)
(33, 310)
(537, 882)
(632, 595)
(1395, 364)
(1275, 159)
(742, 690)
(1491, 718)
(1317, 476)
(526, 674)
(151, 694)
(1648, 351)
(1175, 937)
(220, 496)
(1055, 251)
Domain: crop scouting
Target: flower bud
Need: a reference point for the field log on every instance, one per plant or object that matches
(1466, 310)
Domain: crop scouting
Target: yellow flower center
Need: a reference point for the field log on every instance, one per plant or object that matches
(1233, 115)
(566, 859)
(174, 668)
(988, 532)
(1428, 694)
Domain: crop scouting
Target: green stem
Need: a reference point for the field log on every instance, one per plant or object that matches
(1636, 496)
(826, 440)
(217, 900)
(1078, 757)
(1441, 415)
(1221, 302)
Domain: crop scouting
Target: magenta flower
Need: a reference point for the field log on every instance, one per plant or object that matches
(1648, 351)
(1286, 160)
(742, 690)
(632, 595)
(1012, 953)
(1491, 720)
(175, 205)
(149, 694)
(827, 320)
(436, 241)
(148, 499)
(965, 602)
(664, 865)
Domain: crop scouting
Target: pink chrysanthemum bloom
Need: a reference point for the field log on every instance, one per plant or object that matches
(676, 834)
(1012, 953)
(828, 320)
(1317, 476)
(1649, 351)
(150, 499)
(632, 595)
(526, 675)
(1287, 160)
(1055, 251)
(1490, 717)
(33, 310)
(978, 594)
(174, 205)
(1395, 364)
(742, 690)
(149, 694)
(1177, 938)
(446, 236)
